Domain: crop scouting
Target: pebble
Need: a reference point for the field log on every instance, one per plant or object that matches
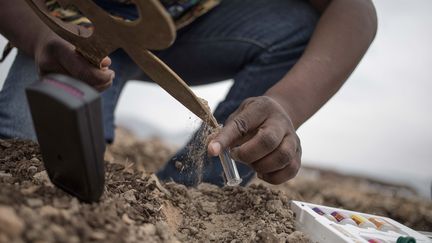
(149, 229)
(273, 206)
(129, 196)
(297, 236)
(179, 165)
(257, 200)
(49, 210)
(96, 235)
(212, 237)
(29, 190)
(193, 230)
(34, 202)
(153, 179)
(163, 230)
(58, 231)
(5, 144)
(42, 177)
(32, 169)
(127, 220)
(268, 237)
(35, 160)
(6, 177)
(209, 207)
(149, 206)
(10, 223)
(74, 205)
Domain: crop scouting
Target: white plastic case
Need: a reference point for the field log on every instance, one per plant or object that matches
(322, 230)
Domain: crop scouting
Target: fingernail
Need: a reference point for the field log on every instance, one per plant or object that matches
(105, 63)
(214, 148)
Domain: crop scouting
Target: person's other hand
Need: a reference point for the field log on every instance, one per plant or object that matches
(55, 55)
(260, 133)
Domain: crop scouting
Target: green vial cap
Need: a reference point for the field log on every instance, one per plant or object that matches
(406, 239)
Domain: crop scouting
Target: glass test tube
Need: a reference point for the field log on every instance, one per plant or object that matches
(230, 169)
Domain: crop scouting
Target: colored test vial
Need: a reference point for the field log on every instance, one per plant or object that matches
(362, 222)
(320, 212)
(342, 219)
(370, 240)
(374, 241)
(381, 224)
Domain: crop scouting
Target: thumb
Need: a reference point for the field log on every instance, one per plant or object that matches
(214, 148)
(237, 127)
(226, 136)
(234, 130)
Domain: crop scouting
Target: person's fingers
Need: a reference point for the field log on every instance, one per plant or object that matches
(104, 86)
(105, 63)
(279, 158)
(77, 66)
(47, 61)
(83, 70)
(264, 142)
(46, 69)
(236, 128)
(284, 174)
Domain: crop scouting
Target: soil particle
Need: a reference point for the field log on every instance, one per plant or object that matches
(179, 165)
(149, 229)
(5, 144)
(42, 178)
(298, 237)
(32, 170)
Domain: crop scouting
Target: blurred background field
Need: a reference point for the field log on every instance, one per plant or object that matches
(378, 125)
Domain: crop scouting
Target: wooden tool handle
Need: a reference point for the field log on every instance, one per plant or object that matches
(172, 83)
(153, 30)
(89, 45)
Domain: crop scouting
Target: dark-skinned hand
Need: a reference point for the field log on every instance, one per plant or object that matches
(260, 134)
(55, 55)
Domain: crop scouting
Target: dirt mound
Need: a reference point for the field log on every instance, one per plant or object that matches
(44, 213)
(327, 188)
(134, 207)
(149, 155)
(234, 214)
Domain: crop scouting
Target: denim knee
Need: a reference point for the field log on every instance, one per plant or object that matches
(15, 118)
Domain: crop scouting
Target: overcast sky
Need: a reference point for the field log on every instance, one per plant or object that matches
(379, 124)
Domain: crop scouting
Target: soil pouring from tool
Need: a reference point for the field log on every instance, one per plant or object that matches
(67, 118)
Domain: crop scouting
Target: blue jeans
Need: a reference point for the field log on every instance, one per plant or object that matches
(253, 42)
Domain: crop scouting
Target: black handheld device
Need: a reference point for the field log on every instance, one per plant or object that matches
(67, 118)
